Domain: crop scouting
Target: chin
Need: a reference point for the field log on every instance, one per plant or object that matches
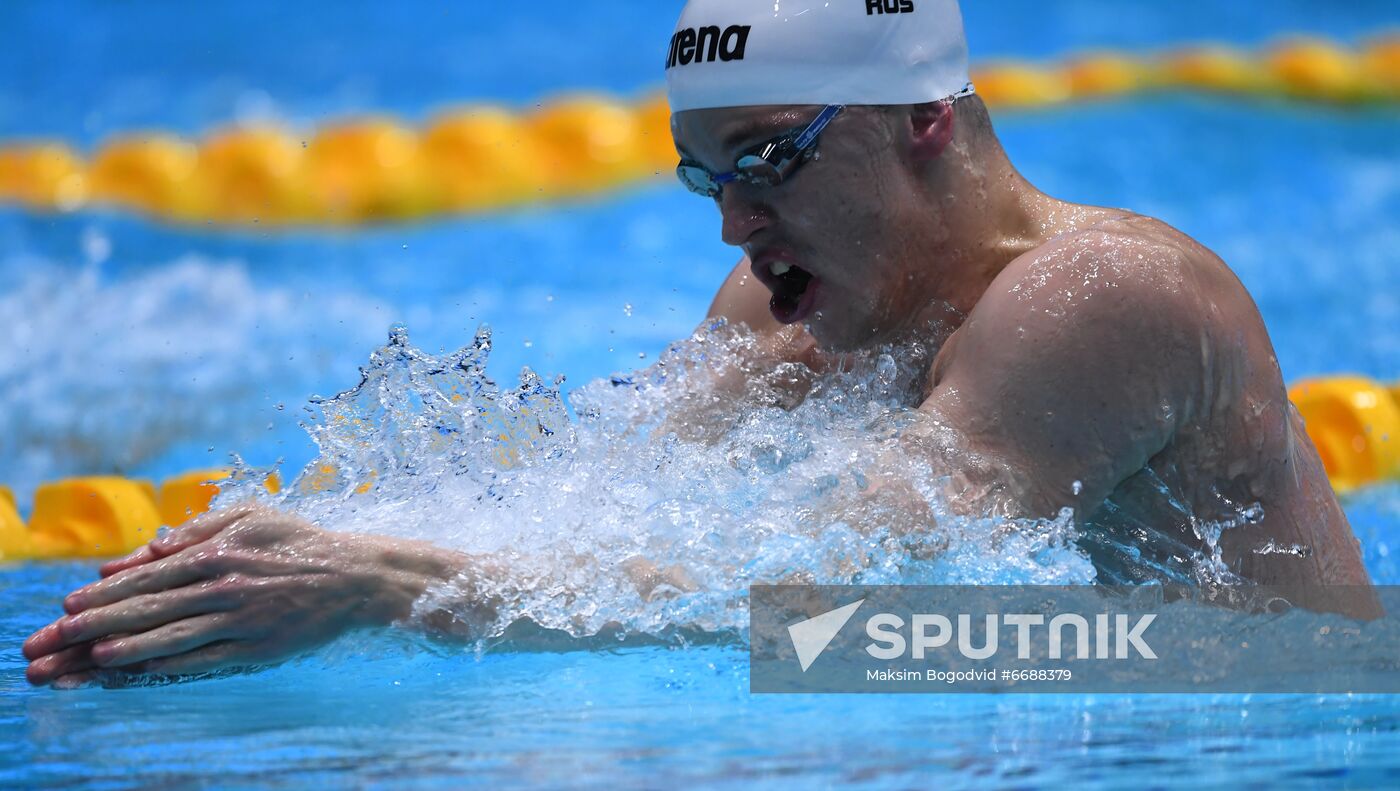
(832, 338)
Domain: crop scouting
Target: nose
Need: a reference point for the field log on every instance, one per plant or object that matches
(742, 214)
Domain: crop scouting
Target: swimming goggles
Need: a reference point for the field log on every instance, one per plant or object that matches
(766, 164)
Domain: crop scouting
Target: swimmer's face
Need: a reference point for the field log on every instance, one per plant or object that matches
(829, 242)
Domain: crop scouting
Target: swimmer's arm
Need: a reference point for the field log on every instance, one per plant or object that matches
(440, 593)
(243, 587)
(1069, 376)
(248, 586)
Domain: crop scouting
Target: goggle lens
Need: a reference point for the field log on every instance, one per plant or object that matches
(697, 180)
(758, 170)
(752, 169)
(770, 163)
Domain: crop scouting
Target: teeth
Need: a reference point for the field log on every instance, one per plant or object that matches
(779, 268)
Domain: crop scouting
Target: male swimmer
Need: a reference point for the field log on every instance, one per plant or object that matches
(1089, 358)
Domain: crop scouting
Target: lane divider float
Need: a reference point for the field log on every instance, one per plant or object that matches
(1354, 423)
(475, 159)
(104, 515)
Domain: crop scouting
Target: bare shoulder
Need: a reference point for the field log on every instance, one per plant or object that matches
(1109, 264)
(1132, 285)
(1083, 359)
(1078, 291)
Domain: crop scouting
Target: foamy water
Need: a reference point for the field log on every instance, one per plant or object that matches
(624, 514)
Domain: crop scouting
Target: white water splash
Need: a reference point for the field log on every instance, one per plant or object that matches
(674, 489)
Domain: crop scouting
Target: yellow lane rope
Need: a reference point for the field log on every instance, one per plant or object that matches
(376, 169)
(1353, 422)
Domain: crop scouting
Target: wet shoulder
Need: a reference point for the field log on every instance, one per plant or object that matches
(1124, 276)
(1164, 268)
(1127, 252)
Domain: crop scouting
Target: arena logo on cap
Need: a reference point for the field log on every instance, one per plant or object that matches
(873, 7)
(708, 44)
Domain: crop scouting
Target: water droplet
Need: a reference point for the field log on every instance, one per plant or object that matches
(627, 308)
(548, 297)
(529, 344)
(281, 407)
(641, 355)
(885, 370)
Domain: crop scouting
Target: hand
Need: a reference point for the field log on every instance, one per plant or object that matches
(244, 586)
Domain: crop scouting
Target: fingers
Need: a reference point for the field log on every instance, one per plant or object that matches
(171, 572)
(224, 655)
(197, 530)
(219, 655)
(201, 528)
(138, 556)
(126, 633)
(169, 640)
(137, 614)
(215, 656)
(74, 659)
(43, 642)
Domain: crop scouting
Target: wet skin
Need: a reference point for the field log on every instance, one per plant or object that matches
(1092, 359)
(1088, 358)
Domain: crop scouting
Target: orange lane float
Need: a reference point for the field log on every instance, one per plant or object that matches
(1354, 423)
(483, 158)
(153, 173)
(473, 159)
(43, 176)
(186, 496)
(365, 170)
(14, 537)
(256, 173)
(91, 517)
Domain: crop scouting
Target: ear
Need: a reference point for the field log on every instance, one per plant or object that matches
(932, 127)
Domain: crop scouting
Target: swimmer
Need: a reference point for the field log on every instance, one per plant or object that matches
(1088, 358)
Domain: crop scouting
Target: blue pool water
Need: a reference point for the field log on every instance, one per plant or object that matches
(148, 350)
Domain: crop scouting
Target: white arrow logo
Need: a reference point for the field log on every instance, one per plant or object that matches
(811, 637)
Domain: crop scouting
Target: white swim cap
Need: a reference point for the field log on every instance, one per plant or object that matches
(734, 53)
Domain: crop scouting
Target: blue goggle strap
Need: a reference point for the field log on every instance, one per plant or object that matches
(818, 124)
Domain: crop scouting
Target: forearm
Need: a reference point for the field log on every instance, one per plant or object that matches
(403, 571)
(447, 594)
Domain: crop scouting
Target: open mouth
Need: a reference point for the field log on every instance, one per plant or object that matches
(793, 291)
